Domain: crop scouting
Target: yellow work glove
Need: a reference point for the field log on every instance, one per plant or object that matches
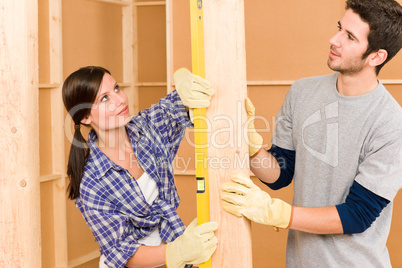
(194, 246)
(254, 139)
(242, 197)
(194, 91)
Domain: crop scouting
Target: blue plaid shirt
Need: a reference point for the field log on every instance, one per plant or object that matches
(111, 201)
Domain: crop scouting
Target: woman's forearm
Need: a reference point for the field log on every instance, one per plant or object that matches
(147, 256)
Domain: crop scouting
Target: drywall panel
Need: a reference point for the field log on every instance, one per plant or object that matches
(45, 132)
(92, 35)
(149, 96)
(151, 44)
(47, 224)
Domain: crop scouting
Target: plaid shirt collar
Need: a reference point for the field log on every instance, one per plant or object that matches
(134, 135)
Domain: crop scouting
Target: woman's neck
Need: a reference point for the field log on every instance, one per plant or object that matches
(114, 140)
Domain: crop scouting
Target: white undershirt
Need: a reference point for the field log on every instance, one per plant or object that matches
(150, 191)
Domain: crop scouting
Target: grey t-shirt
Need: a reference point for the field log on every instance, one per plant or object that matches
(337, 140)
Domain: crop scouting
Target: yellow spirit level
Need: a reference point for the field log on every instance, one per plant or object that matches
(200, 119)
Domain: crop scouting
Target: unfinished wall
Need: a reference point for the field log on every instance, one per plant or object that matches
(285, 40)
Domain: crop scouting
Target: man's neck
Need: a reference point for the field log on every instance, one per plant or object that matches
(356, 84)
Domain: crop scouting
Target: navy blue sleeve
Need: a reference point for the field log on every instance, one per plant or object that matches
(286, 160)
(360, 209)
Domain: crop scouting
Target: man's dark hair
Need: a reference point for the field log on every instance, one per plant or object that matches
(385, 21)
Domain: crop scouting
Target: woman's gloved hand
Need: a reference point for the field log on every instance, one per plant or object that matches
(194, 91)
(194, 246)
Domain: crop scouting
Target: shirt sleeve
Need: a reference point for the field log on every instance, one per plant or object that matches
(113, 231)
(286, 160)
(167, 121)
(360, 209)
(381, 168)
(283, 131)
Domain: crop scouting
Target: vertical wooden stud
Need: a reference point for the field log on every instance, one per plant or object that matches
(57, 143)
(134, 56)
(19, 126)
(225, 68)
(169, 45)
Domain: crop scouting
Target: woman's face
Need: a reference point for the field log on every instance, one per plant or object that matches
(110, 109)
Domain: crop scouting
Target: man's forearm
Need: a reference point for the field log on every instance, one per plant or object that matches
(265, 166)
(317, 220)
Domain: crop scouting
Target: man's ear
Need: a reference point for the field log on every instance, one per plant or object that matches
(378, 58)
(87, 120)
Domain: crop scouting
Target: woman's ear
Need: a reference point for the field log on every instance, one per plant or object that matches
(87, 120)
(378, 58)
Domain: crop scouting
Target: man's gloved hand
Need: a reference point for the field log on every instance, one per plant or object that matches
(254, 139)
(194, 91)
(243, 198)
(194, 246)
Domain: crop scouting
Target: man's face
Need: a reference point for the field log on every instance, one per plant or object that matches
(349, 44)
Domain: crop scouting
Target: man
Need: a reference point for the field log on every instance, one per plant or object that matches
(340, 137)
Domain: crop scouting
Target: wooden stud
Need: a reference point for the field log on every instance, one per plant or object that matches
(128, 58)
(135, 56)
(169, 46)
(57, 142)
(19, 126)
(225, 68)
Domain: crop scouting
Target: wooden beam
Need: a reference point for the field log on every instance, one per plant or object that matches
(114, 2)
(225, 68)
(84, 259)
(169, 46)
(57, 132)
(19, 127)
(151, 3)
(128, 57)
(135, 57)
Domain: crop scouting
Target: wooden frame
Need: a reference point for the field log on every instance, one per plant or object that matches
(225, 68)
(57, 176)
(19, 124)
(19, 176)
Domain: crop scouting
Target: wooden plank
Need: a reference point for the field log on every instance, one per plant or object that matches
(153, 84)
(169, 46)
(57, 130)
(225, 68)
(84, 259)
(50, 177)
(135, 57)
(270, 83)
(290, 82)
(114, 2)
(48, 86)
(20, 244)
(151, 3)
(128, 57)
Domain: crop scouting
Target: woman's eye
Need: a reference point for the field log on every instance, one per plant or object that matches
(117, 88)
(104, 98)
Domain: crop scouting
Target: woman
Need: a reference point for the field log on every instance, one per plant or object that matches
(122, 178)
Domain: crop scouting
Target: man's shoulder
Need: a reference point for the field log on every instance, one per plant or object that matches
(312, 80)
